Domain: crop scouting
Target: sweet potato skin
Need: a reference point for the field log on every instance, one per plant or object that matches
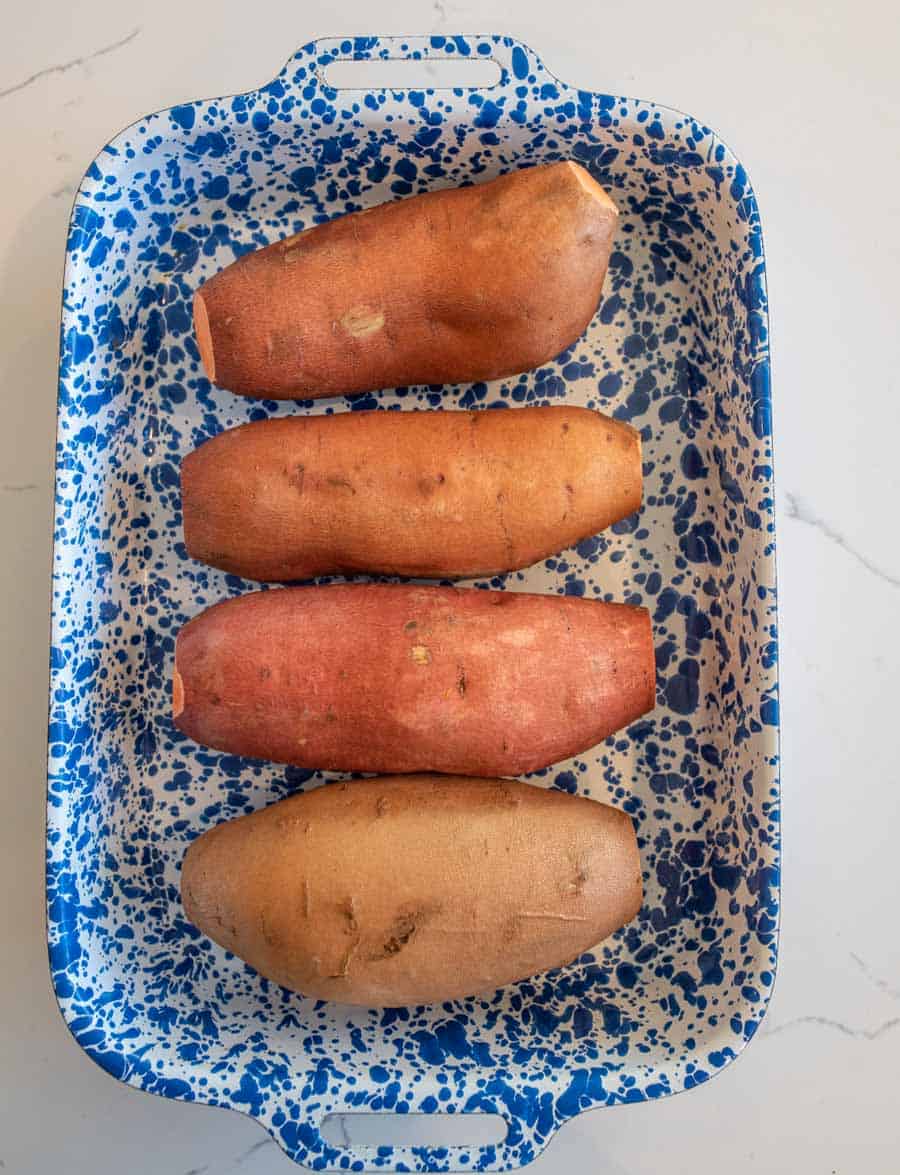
(400, 678)
(414, 890)
(450, 286)
(420, 494)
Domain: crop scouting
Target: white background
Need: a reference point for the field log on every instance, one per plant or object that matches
(807, 96)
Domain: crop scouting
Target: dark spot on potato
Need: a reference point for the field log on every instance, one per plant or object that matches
(609, 436)
(570, 491)
(427, 485)
(215, 700)
(296, 478)
(264, 673)
(342, 674)
(228, 928)
(340, 483)
(381, 806)
(565, 426)
(410, 626)
(402, 931)
(349, 911)
(269, 935)
(461, 682)
(330, 715)
(393, 946)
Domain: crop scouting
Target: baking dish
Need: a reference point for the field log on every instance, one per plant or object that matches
(678, 348)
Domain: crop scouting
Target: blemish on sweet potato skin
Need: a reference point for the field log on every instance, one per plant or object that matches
(348, 909)
(297, 477)
(339, 482)
(362, 321)
(402, 931)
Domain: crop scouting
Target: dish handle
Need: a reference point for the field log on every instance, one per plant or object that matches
(487, 1138)
(327, 66)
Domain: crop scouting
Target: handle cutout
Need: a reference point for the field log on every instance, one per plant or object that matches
(419, 1130)
(407, 73)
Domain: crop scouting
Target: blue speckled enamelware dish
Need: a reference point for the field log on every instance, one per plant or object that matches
(678, 347)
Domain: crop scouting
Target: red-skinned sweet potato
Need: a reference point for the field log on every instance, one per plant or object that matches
(402, 678)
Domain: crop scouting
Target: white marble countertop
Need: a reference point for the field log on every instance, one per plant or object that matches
(808, 95)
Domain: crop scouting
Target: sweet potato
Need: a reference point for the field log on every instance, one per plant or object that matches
(428, 494)
(461, 284)
(413, 890)
(401, 678)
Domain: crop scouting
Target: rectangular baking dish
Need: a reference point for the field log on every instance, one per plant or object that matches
(678, 348)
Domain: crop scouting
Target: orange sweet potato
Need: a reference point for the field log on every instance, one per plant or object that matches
(456, 285)
(413, 890)
(403, 678)
(426, 494)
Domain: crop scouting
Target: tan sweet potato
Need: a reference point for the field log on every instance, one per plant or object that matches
(414, 890)
(456, 285)
(428, 494)
(401, 678)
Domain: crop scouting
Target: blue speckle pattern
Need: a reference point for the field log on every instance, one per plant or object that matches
(678, 348)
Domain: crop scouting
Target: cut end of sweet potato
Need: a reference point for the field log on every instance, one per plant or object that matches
(640, 465)
(593, 189)
(204, 336)
(177, 693)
